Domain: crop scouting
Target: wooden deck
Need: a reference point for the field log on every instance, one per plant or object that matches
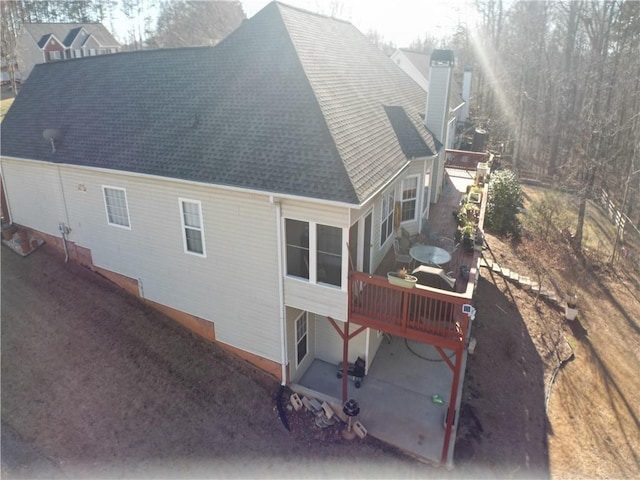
(424, 313)
(421, 313)
(443, 224)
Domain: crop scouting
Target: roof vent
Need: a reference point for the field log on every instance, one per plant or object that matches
(53, 135)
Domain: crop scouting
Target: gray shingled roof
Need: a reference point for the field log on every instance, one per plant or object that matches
(291, 102)
(43, 41)
(62, 31)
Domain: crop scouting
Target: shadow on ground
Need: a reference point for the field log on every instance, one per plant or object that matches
(503, 426)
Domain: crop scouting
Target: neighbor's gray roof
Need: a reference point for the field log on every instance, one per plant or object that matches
(291, 102)
(422, 62)
(62, 31)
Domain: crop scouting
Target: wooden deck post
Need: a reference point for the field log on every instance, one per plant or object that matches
(451, 410)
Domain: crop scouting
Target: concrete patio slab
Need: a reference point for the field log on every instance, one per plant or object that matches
(396, 396)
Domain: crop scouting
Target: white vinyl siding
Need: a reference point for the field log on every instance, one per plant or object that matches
(329, 343)
(115, 202)
(235, 286)
(35, 196)
(193, 232)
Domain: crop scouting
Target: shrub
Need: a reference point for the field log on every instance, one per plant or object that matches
(505, 200)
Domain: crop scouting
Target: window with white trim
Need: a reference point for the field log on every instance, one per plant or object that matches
(192, 226)
(54, 55)
(297, 233)
(314, 251)
(409, 200)
(92, 52)
(77, 53)
(329, 255)
(386, 217)
(302, 327)
(115, 202)
(425, 192)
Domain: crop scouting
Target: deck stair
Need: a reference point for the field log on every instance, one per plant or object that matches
(523, 281)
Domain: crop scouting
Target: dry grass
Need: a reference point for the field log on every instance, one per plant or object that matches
(590, 427)
(598, 232)
(4, 107)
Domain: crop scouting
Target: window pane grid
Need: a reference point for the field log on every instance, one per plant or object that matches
(116, 203)
(386, 225)
(329, 255)
(297, 233)
(409, 197)
(301, 338)
(192, 223)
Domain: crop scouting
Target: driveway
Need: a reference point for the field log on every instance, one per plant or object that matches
(96, 384)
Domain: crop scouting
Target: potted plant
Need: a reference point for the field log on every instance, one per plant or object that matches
(571, 307)
(402, 279)
(473, 212)
(468, 238)
(475, 196)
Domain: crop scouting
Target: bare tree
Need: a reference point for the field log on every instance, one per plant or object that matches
(378, 40)
(561, 78)
(190, 23)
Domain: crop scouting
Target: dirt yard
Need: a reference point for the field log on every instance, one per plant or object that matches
(96, 384)
(586, 423)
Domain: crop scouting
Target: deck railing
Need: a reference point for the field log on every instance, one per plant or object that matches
(421, 313)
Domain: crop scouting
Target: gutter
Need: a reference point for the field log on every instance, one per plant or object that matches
(283, 326)
(249, 191)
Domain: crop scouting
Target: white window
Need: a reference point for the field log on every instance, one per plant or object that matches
(77, 53)
(314, 252)
(297, 248)
(193, 231)
(115, 202)
(54, 55)
(301, 338)
(425, 193)
(409, 198)
(329, 255)
(92, 51)
(386, 217)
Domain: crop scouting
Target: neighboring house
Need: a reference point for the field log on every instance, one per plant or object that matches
(416, 65)
(236, 188)
(50, 42)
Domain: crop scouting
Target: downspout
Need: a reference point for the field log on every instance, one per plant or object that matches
(64, 229)
(283, 326)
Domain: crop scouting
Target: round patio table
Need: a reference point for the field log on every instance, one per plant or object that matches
(430, 255)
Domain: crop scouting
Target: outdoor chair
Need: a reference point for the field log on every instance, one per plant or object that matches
(402, 257)
(426, 236)
(447, 244)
